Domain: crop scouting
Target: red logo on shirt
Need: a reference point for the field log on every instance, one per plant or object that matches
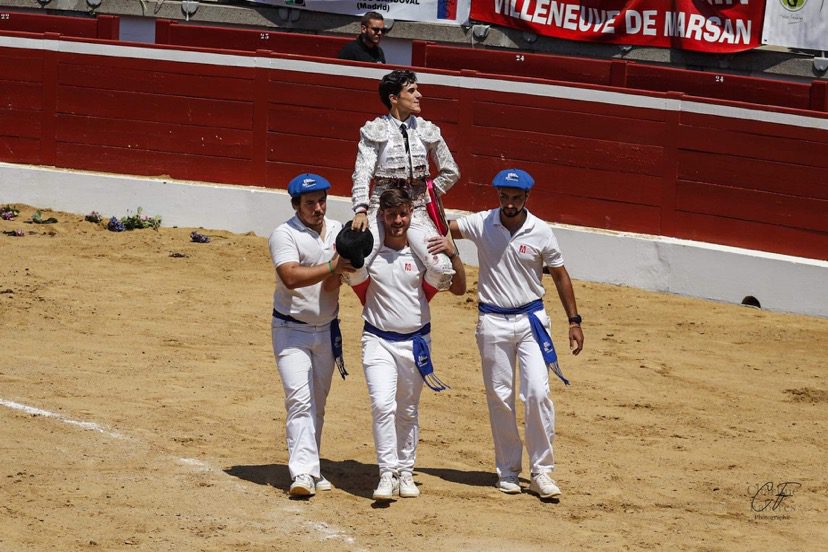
(522, 248)
(408, 267)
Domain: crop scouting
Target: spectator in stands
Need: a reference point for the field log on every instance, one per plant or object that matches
(366, 46)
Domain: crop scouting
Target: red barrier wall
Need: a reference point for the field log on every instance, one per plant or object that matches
(747, 181)
(154, 118)
(626, 74)
(226, 38)
(572, 69)
(713, 85)
(621, 163)
(22, 115)
(101, 26)
(313, 120)
(601, 166)
(514, 63)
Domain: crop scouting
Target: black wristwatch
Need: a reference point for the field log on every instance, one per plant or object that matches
(575, 319)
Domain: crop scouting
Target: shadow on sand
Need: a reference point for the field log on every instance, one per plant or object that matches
(351, 476)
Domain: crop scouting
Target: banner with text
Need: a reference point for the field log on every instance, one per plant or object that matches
(432, 11)
(796, 24)
(701, 25)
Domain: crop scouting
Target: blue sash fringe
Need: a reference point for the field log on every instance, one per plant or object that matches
(336, 347)
(547, 348)
(422, 356)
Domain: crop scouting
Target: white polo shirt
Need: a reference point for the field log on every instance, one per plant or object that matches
(292, 241)
(395, 300)
(511, 267)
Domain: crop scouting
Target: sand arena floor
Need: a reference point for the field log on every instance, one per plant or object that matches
(140, 409)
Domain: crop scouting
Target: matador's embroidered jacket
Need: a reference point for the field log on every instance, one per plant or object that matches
(381, 156)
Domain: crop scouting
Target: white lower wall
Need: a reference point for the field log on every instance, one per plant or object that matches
(697, 269)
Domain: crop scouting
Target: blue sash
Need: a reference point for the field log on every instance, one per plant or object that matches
(422, 356)
(336, 339)
(547, 348)
(336, 347)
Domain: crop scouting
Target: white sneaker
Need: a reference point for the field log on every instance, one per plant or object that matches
(544, 486)
(408, 489)
(303, 485)
(388, 486)
(509, 484)
(322, 484)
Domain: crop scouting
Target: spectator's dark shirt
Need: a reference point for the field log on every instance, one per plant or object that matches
(358, 51)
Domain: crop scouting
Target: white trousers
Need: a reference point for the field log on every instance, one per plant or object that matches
(438, 267)
(305, 363)
(506, 342)
(394, 387)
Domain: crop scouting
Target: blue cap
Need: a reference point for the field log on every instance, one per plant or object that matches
(513, 178)
(307, 182)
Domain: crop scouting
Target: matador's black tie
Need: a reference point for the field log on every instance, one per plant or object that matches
(405, 137)
(404, 131)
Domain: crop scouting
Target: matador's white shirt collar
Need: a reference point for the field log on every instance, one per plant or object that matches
(409, 123)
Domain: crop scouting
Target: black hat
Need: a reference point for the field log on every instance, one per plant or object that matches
(354, 245)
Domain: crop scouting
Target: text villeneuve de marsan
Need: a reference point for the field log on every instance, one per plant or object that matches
(584, 19)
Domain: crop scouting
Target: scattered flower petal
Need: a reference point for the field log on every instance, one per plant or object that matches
(115, 225)
(8, 212)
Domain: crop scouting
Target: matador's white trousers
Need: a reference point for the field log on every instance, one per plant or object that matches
(506, 342)
(305, 363)
(394, 387)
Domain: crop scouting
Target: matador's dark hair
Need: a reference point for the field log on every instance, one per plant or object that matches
(392, 83)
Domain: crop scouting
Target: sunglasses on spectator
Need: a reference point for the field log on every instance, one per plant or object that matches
(379, 30)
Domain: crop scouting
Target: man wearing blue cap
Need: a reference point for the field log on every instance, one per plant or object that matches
(513, 246)
(305, 328)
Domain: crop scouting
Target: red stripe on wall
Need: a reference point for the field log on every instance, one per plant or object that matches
(21, 124)
(153, 136)
(328, 96)
(18, 68)
(541, 66)
(575, 102)
(585, 125)
(155, 107)
(563, 149)
(753, 174)
(752, 205)
(140, 78)
(313, 151)
(749, 234)
(23, 96)
(719, 85)
(42, 23)
(595, 213)
(605, 184)
(757, 126)
(17, 149)
(315, 121)
(250, 39)
(153, 163)
(754, 146)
